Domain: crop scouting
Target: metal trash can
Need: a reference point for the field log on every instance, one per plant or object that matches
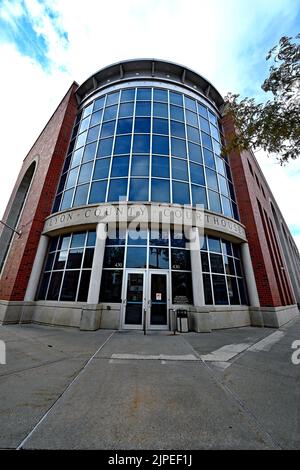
(182, 321)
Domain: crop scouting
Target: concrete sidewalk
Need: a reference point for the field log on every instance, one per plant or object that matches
(68, 389)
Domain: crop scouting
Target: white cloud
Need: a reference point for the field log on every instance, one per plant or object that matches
(226, 41)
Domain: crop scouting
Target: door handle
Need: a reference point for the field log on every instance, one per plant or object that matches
(125, 301)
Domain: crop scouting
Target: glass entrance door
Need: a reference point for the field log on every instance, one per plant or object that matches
(158, 300)
(146, 294)
(134, 303)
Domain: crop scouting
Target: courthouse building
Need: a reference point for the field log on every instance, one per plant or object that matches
(124, 211)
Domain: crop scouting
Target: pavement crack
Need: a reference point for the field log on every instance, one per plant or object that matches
(23, 442)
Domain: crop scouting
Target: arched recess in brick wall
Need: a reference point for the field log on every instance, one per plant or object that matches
(14, 213)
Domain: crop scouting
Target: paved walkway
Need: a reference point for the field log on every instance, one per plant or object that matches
(67, 389)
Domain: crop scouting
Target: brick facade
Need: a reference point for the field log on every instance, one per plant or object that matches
(49, 152)
(254, 199)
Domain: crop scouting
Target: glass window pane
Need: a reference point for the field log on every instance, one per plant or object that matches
(182, 288)
(69, 287)
(176, 98)
(243, 292)
(142, 125)
(214, 244)
(117, 189)
(160, 166)
(179, 169)
(110, 113)
(178, 239)
(101, 169)
(214, 201)
(193, 134)
(84, 125)
(211, 178)
(160, 126)
(204, 125)
(216, 263)
(120, 166)
(158, 258)
(160, 190)
(114, 257)
(136, 257)
(220, 290)
(190, 104)
(77, 157)
(81, 195)
(160, 110)
(143, 108)
(78, 240)
(209, 158)
(99, 103)
(49, 263)
(105, 148)
(124, 126)
(202, 110)
(207, 289)
(160, 145)
(139, 189)
(72, 176)
(213, 118)
(199, 196)
(126, 109)
(84, 286)
(181, 193)
(227, 210)
(141, 143)
(67, 199)
(91, 239)
(159, 237)
(60, 260)
(195, 152)
(176, 113)
(98, 192)
(81, 140)
(140, 165)
(191, 118)
(160, 95)
(111, 286)
(108, 129)
(88, 258)
(177, 129)
(128, 95)
(96, 118)
(136, 236)
(122, 145)
(116, 236)
(112, 98)
(143, 94)
(93, 134)
(180, 259)
(229, 265)
(178, 147)
(89, 152)
(43, 287)
(226, 247)
(197, 174)
(54, 286)
(75, 258)
(85, 173)
(220, 166)
(215, 133)
(206, 140)
(205, 262)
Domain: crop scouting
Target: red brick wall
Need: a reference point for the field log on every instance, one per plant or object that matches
(50, 147)
(253, 198)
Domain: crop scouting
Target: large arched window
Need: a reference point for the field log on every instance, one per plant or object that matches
(14, 213)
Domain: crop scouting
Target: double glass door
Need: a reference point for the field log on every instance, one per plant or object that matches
(146, 299)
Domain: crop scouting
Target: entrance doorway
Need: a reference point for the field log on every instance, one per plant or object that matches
(146, 299)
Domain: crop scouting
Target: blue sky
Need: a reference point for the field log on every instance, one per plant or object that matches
(46, 44)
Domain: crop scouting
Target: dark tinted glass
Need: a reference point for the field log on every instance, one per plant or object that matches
(220, 290)
(136, 257)
(111, 286)
(160, 190)
(117, 189)
(69, 287)
(182, 288)
(138, 189)
(98, 192)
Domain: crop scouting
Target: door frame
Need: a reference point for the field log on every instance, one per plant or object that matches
(148, 298)
(143, 271)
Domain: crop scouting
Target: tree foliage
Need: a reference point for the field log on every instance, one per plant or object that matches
(273, 126)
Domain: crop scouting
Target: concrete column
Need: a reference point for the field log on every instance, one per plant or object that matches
(249, 276)
(37, 269)
(196, 265)
(95, 281)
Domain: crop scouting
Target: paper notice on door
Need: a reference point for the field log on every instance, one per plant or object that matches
(158, 296)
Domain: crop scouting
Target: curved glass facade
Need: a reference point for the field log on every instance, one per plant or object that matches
(147, 144)
(69, 262)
